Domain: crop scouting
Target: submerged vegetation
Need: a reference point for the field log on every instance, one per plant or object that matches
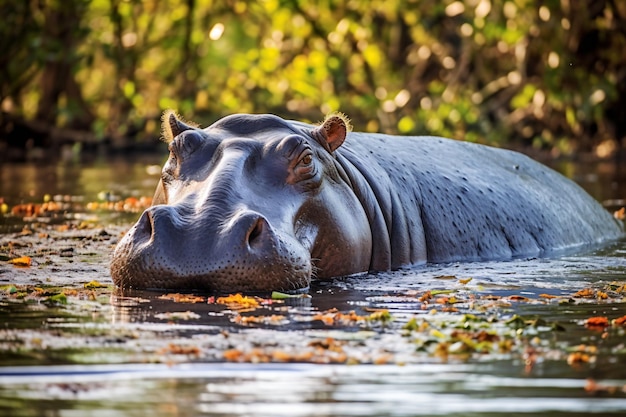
(543, 73)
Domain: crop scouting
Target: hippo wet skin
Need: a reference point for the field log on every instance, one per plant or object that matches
(257, 203)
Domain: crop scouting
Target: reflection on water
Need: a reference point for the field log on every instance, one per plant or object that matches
(76, 184)
(138, 175)
(29, 182)
(95, 357)
(304, 390)
(605, 180)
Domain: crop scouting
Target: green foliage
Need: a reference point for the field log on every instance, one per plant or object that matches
(548, 73)
(20, 42)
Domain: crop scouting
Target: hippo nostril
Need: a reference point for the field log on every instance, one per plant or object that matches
(255, 232)
(157, 220)
(145, 224)
(150, 225)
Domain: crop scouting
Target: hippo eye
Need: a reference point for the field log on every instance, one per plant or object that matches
(170, 169)
(306, 159)
(181, 148)
(186, 143)
(304, 168)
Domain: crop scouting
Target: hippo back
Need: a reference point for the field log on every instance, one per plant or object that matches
(463, 201)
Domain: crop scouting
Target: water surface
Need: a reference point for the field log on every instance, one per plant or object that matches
(110, 353)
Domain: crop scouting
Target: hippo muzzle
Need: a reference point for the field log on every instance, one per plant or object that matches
(167, 250)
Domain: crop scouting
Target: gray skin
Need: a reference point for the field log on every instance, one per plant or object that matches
(258, 203)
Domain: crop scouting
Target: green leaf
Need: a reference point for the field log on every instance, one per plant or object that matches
(276, 295)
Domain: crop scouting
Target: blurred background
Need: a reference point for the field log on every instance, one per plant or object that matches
(546, 75)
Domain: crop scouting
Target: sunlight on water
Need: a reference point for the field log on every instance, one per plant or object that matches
(302, 390)
(95, 357)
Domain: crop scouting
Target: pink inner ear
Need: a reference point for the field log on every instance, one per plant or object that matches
(335, 130)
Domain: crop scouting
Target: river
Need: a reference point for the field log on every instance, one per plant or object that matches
(477, 339)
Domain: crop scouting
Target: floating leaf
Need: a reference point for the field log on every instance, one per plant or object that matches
(276, 295)
(578, 358)
(182, 298)
(437, 292)
(60, 298)
(238, 301)
(445, 277)
(620, 321)
(274, 319)
(9, 289)
(597, 322)
(21, 261)
(547, 296)
(412, 325)
(177, 349)
(91, 285)
(585, 293)
(382, 316)
(516, 322)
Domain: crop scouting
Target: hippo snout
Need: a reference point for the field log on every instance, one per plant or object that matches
(170, 249)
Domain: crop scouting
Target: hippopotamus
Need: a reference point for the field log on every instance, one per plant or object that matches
(258, 203)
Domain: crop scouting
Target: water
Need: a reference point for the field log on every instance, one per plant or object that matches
(311, 390)
(513, 340)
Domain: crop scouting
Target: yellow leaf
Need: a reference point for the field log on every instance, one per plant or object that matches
(436, 333)
(94, 284)
(238, 301)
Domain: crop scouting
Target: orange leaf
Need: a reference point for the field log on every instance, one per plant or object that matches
(578, 358)
(426, 296)
(233, 355)
(585, 293)
(238, 301)
(182, 298)
(548, 296)
(21, 261)
(281, 356)
(620, 321)
(595, 322)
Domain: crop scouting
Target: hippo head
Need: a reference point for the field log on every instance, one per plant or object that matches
(251, 203)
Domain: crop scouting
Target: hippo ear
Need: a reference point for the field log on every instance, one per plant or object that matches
(173, 125)
(333, 131)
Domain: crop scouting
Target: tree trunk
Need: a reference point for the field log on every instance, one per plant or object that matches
(57, 78)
